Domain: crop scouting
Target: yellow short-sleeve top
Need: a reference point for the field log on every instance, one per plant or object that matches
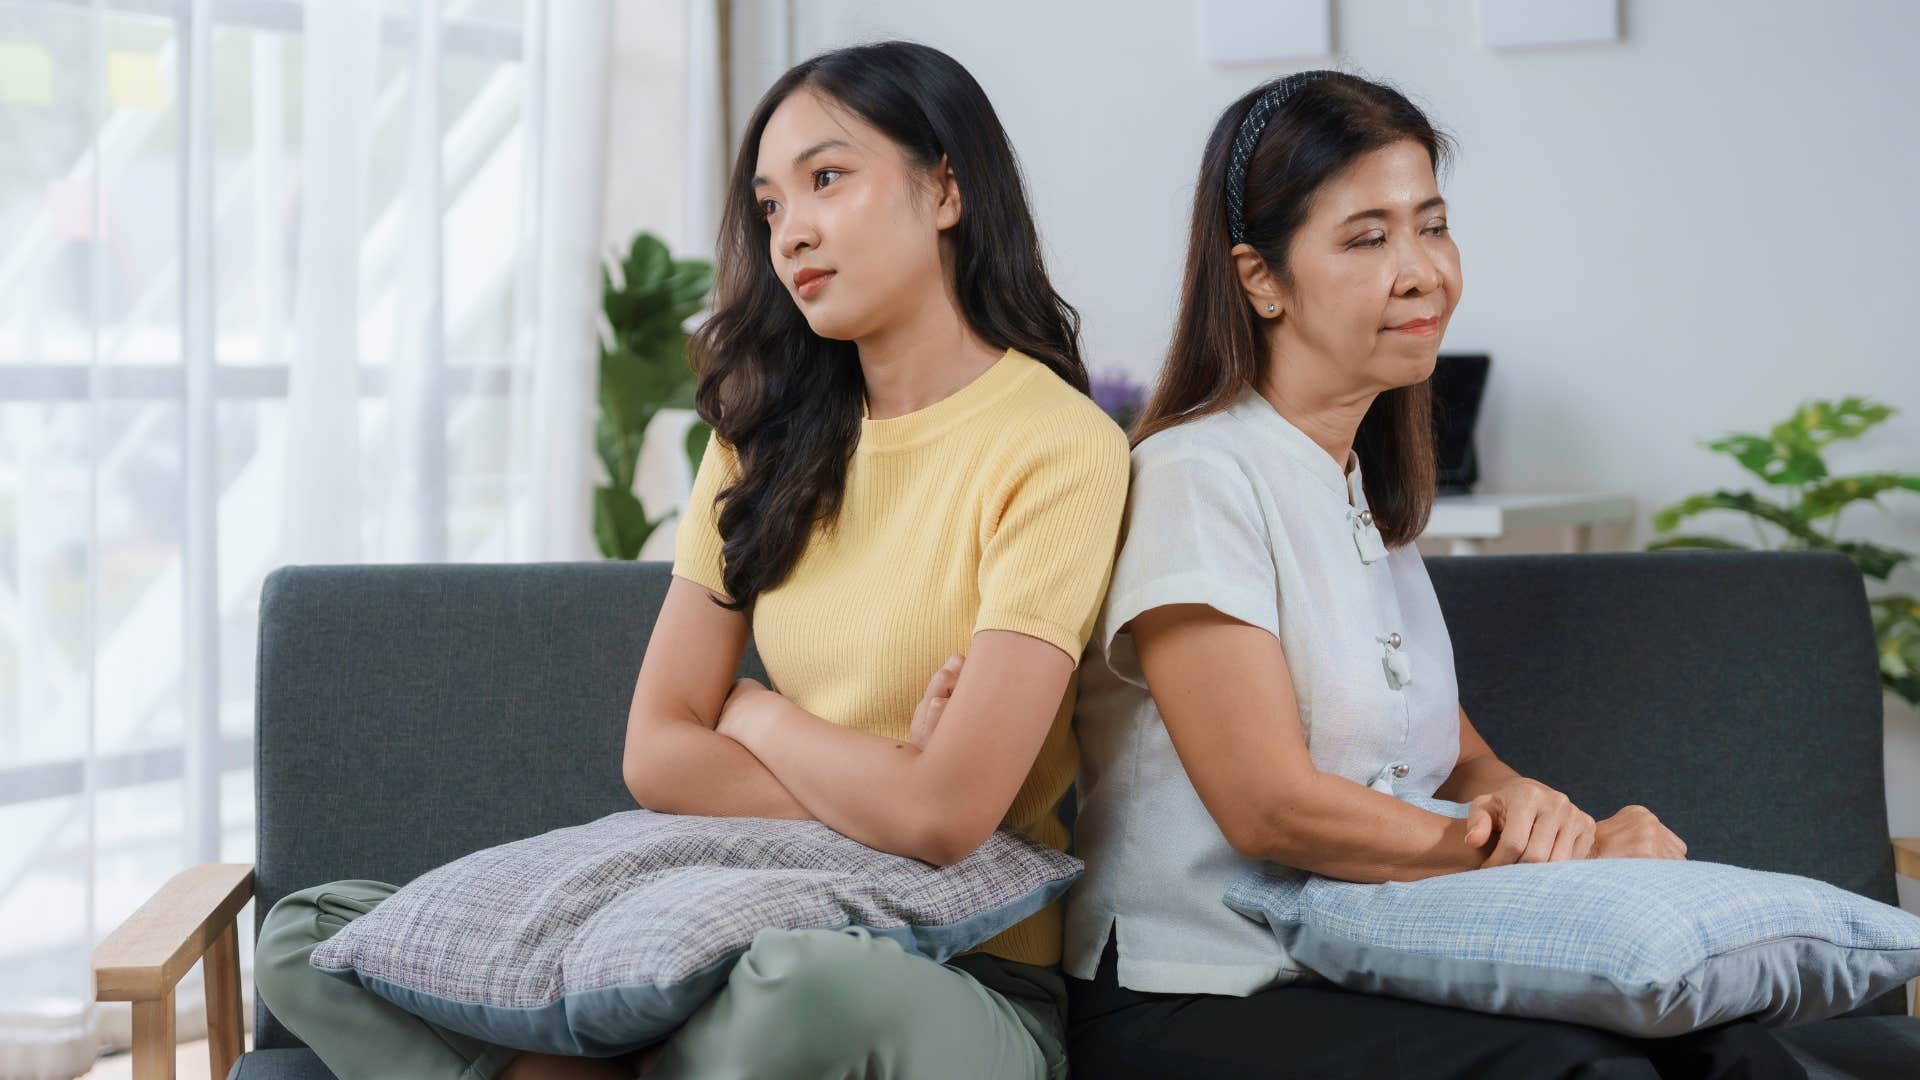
(997, 507)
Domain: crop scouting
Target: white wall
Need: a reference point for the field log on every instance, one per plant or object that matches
(1664, 239)
(647, 128)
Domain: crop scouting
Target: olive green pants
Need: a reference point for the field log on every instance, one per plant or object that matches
(813, 1004)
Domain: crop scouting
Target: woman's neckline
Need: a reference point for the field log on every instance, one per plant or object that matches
(1343, 482)
(923, 424)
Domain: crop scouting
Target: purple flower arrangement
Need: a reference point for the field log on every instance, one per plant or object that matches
(1117, 395)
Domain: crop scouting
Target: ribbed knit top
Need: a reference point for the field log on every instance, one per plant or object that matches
(997, 507)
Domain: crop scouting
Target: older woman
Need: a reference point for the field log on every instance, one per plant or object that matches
(1274, 674)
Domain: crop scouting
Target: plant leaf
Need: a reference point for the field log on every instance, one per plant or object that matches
(1777, 462)
(635, 385)
(643, 368)
(1746, 503)
(1830, 497)
(610, 448)
(620, 523)
(648, 263)
(1790, 452)
(1895, 607)
(1896, 627)
(1873, 560)
(688, 286)
(1824, 422)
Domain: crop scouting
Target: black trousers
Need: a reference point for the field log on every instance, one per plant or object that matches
(1320, 1030)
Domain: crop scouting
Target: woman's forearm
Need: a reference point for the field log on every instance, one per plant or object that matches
(690, 768)
(1474, 777)
(863, 786)
(1344, 830)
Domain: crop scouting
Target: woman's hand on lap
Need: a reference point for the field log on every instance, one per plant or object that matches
(1634, 833)
(1533, 822)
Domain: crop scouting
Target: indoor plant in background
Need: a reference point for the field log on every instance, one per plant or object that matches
(643, 369)
(1808, 497)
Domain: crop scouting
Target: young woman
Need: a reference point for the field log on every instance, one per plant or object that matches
(1271, 669)
(906, 470)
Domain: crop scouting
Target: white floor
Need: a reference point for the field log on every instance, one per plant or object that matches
(192, 1065)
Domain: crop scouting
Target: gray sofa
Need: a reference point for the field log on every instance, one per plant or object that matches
(408, 715)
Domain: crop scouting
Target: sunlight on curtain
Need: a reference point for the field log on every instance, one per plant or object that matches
(284, 282)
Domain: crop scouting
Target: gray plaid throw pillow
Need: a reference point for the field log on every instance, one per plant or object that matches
(601, 938)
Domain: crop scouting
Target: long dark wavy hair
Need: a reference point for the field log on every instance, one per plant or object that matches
(788, 400)
(1218, 349)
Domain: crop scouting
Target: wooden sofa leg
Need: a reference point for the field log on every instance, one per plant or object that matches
(153, 1049)
(225, 1034)
(154, 1034)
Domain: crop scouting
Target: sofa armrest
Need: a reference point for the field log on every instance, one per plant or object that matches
(1906, 863)
(193, 915)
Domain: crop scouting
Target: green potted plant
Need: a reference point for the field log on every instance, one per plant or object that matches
(643, 369)
(1808, 497)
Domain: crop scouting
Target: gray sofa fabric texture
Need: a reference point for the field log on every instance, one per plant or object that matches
(461, 706)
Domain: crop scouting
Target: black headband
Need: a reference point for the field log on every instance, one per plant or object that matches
(1248, 137)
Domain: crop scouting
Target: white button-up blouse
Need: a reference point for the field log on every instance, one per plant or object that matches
(1242, 511)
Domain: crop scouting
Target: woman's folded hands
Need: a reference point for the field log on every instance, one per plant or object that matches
(1525, 821)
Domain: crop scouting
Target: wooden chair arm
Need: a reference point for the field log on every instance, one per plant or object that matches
(193, 915)
(1906, 863)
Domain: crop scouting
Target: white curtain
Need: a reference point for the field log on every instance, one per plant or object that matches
(284, 282)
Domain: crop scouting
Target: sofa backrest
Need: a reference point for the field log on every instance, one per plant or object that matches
(408, 715)
(1735, 694)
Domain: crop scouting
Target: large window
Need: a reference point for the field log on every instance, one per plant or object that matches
(153, 202)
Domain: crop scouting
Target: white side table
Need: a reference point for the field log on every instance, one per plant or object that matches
(1471, 520)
